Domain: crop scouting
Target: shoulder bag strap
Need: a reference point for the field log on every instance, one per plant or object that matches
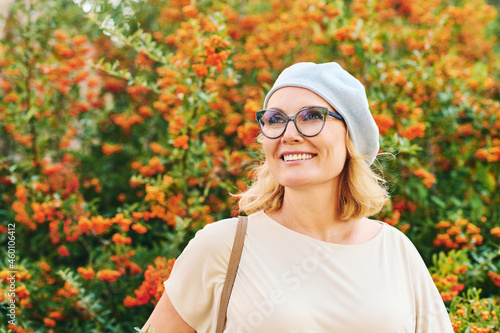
(232, 268)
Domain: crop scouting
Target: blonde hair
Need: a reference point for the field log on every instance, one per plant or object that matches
(362, 191)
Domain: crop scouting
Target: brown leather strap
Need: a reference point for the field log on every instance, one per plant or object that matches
(232, 268)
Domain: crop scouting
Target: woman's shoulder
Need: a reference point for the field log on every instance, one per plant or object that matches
(199, 273)
(390, 234)
(216, 236)
(209, 249)
(395, 234)
(220, 228)
(400, 242)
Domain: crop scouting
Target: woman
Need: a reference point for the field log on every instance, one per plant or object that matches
(312, 260)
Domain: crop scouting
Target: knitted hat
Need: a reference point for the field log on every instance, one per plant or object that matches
(343, 92)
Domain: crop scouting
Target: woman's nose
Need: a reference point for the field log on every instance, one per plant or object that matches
(291, 134)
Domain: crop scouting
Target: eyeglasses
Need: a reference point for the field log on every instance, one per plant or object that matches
(308, 121)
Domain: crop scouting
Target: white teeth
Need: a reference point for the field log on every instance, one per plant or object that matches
(296, 157)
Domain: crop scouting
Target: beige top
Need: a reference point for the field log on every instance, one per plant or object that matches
(289, 282)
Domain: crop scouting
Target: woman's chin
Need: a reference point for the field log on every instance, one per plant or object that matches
(295, 182)
(306, 181)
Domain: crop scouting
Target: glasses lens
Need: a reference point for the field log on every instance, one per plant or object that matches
(310, 121)
(272, 123)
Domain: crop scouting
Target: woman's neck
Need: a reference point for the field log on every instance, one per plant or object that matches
(314, 212)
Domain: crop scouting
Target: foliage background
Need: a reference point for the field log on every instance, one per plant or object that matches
(125, 126)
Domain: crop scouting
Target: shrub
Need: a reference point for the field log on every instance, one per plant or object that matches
(126, 126)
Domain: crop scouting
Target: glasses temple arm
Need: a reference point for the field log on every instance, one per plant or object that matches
(334, 115)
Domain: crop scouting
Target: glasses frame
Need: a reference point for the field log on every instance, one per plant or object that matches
(325, 111)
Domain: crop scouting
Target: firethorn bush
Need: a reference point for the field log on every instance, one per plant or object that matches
(125, 127)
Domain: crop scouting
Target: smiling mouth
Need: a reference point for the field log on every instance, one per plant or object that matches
(296, 157)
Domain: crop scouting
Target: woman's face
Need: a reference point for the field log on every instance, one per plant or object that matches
(325, 153)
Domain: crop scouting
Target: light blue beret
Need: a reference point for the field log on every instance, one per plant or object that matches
(343, 92)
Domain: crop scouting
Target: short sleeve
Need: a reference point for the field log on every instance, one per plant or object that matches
(431, 314)
(197, 278)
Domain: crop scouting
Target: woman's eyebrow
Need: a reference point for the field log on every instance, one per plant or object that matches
(303, 107)
(274, 108)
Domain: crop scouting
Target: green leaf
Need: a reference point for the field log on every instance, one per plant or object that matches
(438, 201)
(485, 177)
